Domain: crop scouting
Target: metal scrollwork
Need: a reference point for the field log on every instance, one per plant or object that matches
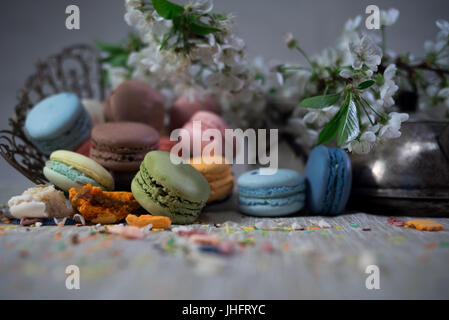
(76, 69)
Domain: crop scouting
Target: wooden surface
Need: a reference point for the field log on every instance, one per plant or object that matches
(328, 263)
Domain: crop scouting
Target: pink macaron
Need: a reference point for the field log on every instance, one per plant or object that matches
(184, 108)
(198, 124)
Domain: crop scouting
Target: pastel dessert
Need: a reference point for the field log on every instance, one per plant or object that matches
(329, 178)
(184, 108)
(58, 122)
(218, 174)
(142, 221)
(42, 201)
(279, 194)
(95, 109)
(67, 170)
(163, 188)
(121, 147)
(98, 206)
(205, 120)
(135, 101)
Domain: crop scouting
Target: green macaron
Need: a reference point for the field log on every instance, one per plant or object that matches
(177, 191)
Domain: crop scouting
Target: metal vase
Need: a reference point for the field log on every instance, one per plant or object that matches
(406, 176)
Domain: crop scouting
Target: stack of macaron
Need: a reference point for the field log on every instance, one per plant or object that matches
(120, 147)
(95, 148)
(218, 174)
(324, 189)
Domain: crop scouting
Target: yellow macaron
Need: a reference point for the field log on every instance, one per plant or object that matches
(68, 170)
(218, 173)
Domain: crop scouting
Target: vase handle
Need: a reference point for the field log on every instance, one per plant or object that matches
(443, 141)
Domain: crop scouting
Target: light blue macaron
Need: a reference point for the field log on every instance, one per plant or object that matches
(280, 194)
(58, 122)
(329, 179)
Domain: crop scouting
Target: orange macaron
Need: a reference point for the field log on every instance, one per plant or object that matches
(218, 174)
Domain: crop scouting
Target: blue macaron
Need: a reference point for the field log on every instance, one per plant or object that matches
(329, 179)
(279, 194)
(58, 122)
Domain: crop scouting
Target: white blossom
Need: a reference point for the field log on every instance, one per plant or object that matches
(364, 144)
(389, 88)
(365, 52)
(391, 129)
(389, 17)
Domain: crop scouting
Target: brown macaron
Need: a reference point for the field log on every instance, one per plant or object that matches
(184, 108)
(135, 101)
(122, 146)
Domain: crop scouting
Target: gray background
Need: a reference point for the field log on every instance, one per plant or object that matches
(32, 30)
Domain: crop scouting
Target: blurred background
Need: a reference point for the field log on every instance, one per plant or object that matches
(34, 29)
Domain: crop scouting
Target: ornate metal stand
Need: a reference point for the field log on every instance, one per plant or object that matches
(76, 69)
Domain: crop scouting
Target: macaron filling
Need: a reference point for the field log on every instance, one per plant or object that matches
(166, 198)
(68, 140)
(274, 202)
(271, 192)
(72, 173)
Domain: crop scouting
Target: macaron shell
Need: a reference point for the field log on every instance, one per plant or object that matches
(220, 188)
(125, 137)
(183, 180)
(53, 115)
(184, 108)
(272, 207)
(86, 166)
(218, 174)
(317, 173)
(136, 101)
(345, 174)
(71, 139)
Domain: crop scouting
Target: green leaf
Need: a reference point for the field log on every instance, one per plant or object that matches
(330, 130)
(110, 48)
(321, 101)
(200, 28)
(117, 60)
(366, 84)
(166, 9)
(348, 124)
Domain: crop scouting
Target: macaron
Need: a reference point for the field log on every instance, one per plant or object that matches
(177, 191)
(218, 174)
(184, 108)
(67, 170)
(279, 194)
(58, 122)
(121, 146)
(329, 178)
(198, 124)
(135, 101)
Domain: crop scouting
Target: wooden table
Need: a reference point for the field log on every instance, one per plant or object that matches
(325, 263)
